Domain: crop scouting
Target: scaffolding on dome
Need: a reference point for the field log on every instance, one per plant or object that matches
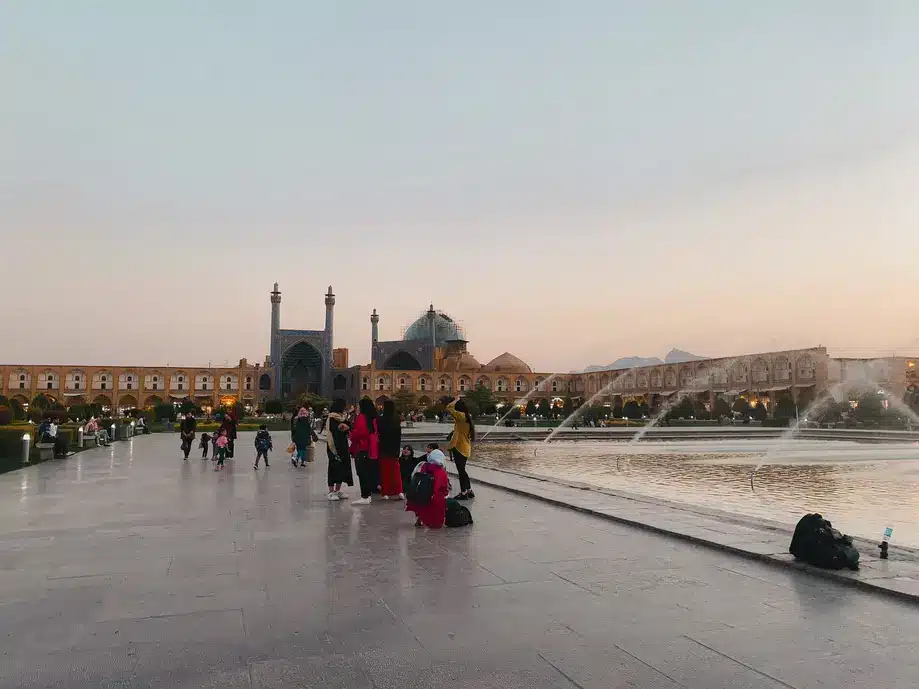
(450, 330)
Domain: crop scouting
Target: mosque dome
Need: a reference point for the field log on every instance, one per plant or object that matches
(507, 363)
(460, 361)
(445, 329)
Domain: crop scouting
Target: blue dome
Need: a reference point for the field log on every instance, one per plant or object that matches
(445, 329)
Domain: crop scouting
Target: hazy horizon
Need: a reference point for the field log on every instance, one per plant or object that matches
(575, 183)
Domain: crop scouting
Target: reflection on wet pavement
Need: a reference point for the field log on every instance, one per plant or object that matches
(863, 488)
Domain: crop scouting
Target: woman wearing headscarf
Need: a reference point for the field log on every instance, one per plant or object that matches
(390, 447)
(302, 435)
(336, 441)
(365, 446)
(434, 513)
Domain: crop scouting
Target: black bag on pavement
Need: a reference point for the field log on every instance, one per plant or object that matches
(421, 490)
(457, 514)
(817, 543)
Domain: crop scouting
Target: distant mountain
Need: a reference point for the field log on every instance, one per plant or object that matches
(678, 356)
(674, 356)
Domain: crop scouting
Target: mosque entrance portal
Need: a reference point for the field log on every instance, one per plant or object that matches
(301, 370)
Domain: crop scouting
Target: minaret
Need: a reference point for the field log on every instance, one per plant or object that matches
(329, 318)
(374, 328)
(329, 322)
(275, 345)
(432, 315)
(374, 336)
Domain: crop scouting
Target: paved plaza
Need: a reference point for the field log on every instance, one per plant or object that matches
(127, 567)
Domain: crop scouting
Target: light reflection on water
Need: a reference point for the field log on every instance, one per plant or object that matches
(861, 488)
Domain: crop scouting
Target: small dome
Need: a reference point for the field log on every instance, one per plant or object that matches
(461, 361)
(445, 329)
(507, 363)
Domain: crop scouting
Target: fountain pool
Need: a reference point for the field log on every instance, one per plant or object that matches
(861, 488)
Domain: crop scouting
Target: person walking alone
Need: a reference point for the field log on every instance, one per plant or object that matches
(390, 447)
(460, 445)
(365, 446)
(187, 429)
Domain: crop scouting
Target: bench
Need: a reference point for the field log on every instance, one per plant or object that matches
(45, 451)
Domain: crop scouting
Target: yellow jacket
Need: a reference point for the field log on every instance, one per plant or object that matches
(461, 431)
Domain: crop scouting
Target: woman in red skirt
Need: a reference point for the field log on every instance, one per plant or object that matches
(390, 448)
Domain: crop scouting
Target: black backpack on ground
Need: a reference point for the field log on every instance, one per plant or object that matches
(422, 488)
(457, 514)
(817, 543)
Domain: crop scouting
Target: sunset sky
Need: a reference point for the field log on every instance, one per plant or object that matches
(574, 181)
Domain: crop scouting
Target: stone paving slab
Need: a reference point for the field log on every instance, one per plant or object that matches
(767, 542)
(127, 567)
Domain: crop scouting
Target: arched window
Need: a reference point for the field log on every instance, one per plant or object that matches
(782, 368)
(806, 367)
(248, 382)
(365, 383)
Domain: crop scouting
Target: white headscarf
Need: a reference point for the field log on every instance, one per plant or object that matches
(436, 457)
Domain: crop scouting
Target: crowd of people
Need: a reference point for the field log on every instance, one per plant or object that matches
(370, 439)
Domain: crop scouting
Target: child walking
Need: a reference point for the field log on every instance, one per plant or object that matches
(262, 445)
(205, 445)
(220, 446)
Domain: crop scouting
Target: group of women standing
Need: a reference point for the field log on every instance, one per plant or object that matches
(375, 442)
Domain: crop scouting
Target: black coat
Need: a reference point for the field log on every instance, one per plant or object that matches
(188, 425)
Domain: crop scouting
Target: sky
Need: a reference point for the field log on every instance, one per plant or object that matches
(573, 181)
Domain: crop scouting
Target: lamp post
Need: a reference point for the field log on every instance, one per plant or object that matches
(26, 443)
(113, 433)
(80, 437)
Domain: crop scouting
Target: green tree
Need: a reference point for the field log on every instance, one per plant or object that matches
(741, 406)
(404, 401)
(532, 407)
(759, 412)
(784, 409)
(685, 409)
(722, 408)
(631, 410)
(164, 412)
(544, 409)
(316, 402)
(513, 412)
(40, 402)
(18, 412)
(482, 400)
(274, 407)
(870, 407)
(567, 406)
(617, 409)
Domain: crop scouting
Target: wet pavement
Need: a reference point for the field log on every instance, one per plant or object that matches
(127, 567)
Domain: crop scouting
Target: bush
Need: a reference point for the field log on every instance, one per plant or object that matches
(274, 407)
(6, 415)
(11, 441)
